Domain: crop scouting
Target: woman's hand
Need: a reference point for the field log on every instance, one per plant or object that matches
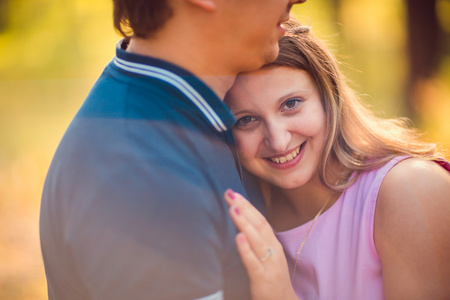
(260, 251)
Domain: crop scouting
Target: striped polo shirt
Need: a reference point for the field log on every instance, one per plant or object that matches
(132, 205)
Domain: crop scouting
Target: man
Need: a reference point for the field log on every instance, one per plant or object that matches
(132, 206)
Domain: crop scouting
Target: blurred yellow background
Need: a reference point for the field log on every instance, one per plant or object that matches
(51, 53)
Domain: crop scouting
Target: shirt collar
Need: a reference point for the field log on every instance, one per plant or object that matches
(212, 108)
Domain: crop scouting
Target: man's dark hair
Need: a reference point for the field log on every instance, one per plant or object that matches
(140, 17)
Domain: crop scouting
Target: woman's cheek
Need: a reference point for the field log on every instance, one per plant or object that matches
(245, 144)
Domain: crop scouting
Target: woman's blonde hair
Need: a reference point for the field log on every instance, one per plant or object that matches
(356, 139)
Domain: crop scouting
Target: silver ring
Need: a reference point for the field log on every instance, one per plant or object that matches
(267, 255)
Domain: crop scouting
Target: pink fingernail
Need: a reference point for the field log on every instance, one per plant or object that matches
(236, 210)
(242, 238)
(231, 194)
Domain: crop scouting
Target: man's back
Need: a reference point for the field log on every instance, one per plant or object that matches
(131, 206)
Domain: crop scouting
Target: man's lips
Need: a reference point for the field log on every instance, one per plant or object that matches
(285, 18)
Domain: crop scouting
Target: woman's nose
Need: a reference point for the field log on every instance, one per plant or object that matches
(277, 137)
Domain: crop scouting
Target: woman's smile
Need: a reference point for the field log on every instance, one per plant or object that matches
(290, 160)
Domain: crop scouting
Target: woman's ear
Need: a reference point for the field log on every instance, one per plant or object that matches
(208, 5)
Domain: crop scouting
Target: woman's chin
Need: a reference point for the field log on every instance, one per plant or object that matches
(285, 185)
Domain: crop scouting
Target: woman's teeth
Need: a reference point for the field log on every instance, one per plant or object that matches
(289, 157)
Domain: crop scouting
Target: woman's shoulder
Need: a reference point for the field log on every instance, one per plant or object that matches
(415, 175)
(411, 227)
(414, 180)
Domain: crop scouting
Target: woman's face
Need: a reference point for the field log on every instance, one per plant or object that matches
(281, 125)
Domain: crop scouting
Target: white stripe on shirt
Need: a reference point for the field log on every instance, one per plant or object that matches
(215, 296)
(177, 82)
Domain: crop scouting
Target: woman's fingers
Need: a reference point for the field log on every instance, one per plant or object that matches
(257, 231)
(251, 262)
(251, 213)
(255, 239)
(260, 251)
(251, 222)
(233, 198)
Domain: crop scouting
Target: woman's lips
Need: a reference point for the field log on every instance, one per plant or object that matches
(289, 160)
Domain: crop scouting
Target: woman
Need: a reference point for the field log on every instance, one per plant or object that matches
(359, 204)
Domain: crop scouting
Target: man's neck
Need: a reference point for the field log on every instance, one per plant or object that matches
(190, 58)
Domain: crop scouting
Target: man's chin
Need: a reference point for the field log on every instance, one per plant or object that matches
(255, 64)
(272, 55)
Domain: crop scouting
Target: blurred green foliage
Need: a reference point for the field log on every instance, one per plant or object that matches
(51, 53)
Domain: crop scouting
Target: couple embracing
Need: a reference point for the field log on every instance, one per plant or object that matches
(221, 155)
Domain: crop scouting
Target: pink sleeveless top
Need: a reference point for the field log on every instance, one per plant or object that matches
(339, 259)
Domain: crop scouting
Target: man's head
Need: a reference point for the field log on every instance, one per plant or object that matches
(143, 17)
(140, 17)
(210, 38)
